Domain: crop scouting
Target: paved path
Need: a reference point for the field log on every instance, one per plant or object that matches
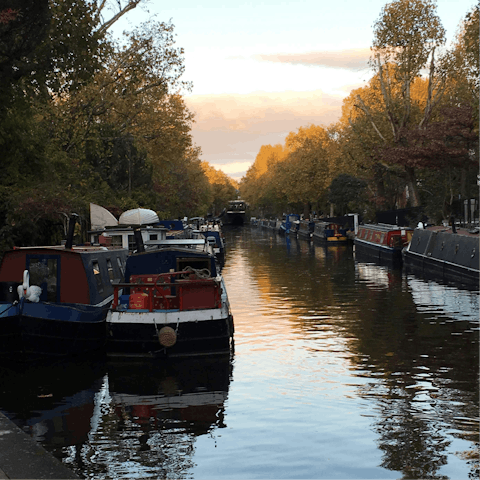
(22, 457)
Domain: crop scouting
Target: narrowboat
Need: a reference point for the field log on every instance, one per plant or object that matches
(174, 303)
(329, 232)
(290, 225)
(213, 234)
(54, 300)
(124, 236)
(108, 232)
(442, 254)
(382, 242)
(305, 229)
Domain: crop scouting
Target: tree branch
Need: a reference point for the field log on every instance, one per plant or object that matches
(130, 6)
(366, 110)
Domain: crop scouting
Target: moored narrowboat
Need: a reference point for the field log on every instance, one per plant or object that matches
(442, 254)
(290, 225)
(54, 300)
(382, 241)
(174, 303)
(305, 229)
(329, 232)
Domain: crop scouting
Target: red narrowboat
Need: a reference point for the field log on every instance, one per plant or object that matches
(382, 241)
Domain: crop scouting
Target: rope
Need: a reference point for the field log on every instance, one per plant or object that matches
(200, 273)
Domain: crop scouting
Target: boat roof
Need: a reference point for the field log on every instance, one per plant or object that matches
(74, 249)
(383, 227)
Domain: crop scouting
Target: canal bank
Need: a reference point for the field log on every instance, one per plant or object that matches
(22, 457)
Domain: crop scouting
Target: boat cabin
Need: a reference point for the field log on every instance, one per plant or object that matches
(389, 236)
(82, 275)
(123, 236)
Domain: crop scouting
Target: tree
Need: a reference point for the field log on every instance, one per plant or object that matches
(347, 193)
(222, 186)
(406, 36)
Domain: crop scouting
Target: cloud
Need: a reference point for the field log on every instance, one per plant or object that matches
(231, 128)
(352, 59)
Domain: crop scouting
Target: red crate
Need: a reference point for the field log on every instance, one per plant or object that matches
(139, 301)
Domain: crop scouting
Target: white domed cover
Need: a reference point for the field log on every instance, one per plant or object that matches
(138, 216)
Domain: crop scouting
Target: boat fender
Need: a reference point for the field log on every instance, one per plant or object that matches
(167, 337)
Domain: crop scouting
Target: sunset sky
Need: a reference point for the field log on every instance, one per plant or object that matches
(263, 69)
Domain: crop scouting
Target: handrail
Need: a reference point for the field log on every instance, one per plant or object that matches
(151, 287)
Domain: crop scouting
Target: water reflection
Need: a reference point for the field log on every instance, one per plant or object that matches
(134, 420)
(343, 368)
(411, 344)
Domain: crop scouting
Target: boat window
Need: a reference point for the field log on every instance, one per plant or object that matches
(116, 241)
(110, 269)
(121, 266)
(98, 276)
(44, 273)
(131, 243)
(153, 237)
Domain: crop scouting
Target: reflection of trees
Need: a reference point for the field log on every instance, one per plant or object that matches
(410, 445)
(427, 369)
(303, 268)
(421, 368)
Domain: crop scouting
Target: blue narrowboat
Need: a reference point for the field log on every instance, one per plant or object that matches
(330, 232)
(291, 224)
(172, 302)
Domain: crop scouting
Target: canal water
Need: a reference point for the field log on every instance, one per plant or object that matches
(342, 369)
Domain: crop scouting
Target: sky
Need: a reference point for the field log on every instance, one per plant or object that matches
(263, 69)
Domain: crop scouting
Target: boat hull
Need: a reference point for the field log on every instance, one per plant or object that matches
(198, 332)
(444, 256)
(36, 331)
(378, 253)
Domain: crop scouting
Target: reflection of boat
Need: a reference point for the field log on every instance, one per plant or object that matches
(382, 241)
(188, 390)
(175, 303)
(438, 253)
(54, 404)
(451, 301)
(377, 276)
(74, 292)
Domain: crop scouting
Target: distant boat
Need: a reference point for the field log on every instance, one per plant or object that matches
(54, 300)
(235, 214)
(330, 232)
(291, 224)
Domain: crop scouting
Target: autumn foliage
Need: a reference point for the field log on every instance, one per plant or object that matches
(410, 135)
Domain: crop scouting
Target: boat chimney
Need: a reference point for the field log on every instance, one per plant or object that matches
(71, 231)
(137, 233)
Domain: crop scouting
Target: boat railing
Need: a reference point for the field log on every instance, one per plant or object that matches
(184, 290)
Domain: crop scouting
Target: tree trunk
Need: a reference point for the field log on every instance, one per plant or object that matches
(412, 186)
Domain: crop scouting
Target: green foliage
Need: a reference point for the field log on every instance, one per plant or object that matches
(347, 193)
(86, 120)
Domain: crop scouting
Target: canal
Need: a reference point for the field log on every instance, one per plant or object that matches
(341, 369)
